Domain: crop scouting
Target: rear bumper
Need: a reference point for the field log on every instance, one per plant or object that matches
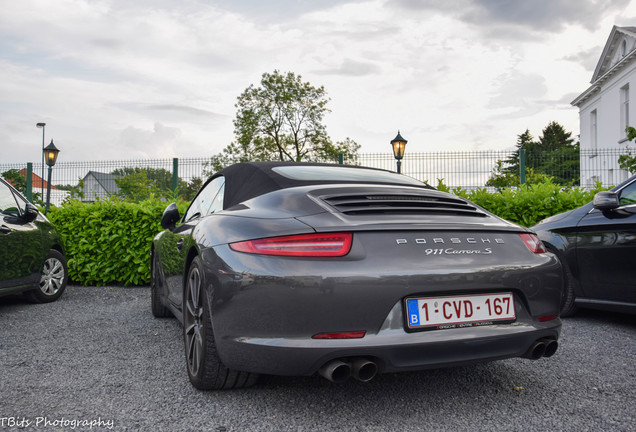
(264, 311)
(392, 349)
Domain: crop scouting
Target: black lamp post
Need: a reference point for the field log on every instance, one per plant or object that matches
(42, 125)
(399, 146)
(50, 157)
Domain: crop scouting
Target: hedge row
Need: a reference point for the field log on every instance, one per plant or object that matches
(527, 205)
(108, 242)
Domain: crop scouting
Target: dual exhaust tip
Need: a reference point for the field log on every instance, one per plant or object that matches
(542, 348)
(339, 371)
(364, 369)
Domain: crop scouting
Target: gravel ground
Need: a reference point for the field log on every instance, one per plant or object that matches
(98, 360)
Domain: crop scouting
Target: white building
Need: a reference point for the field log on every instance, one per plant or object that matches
(99, 186)
(604, 111)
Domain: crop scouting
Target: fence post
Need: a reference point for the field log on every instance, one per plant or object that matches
(341, 158)
(522, 165)
(175, 176)
(29, 181)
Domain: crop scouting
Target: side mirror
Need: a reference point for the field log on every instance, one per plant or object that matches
(30, 213)
(606, 201)
(170, 217)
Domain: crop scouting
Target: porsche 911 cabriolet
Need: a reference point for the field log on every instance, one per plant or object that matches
(293, 269)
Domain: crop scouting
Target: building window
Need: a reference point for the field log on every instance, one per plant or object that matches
(593, 131)
(624, 110)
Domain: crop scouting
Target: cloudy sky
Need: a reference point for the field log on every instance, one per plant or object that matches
(121, 79)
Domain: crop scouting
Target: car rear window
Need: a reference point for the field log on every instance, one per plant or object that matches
(340, 173)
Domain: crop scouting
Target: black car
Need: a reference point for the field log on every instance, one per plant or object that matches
(31, 250)
(597, 244)
(295, 268)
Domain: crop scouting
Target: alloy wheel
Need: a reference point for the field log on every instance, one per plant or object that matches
(53, 276)
(193, 322)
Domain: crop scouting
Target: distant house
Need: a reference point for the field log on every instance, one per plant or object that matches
(99, 186)
(36, 181)
(604, 109)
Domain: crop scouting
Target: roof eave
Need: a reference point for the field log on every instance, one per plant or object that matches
(596, 85)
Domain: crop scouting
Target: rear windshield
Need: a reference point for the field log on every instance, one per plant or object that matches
(340, 173)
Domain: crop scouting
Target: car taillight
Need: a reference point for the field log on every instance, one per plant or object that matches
(302, 245)
(533, 242)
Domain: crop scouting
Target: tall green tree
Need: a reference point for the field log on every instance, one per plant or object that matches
(282, 119)
(555, 156)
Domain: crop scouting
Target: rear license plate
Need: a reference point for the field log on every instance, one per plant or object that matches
(459, 311)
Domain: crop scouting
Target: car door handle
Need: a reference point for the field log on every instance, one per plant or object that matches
(5, 229)
(180, 244)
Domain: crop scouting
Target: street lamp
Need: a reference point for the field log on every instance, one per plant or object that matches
(399, 146)
(41, 125)
(50, 153)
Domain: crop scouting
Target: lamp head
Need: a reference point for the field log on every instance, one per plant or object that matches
(399, 146)
(50, 154)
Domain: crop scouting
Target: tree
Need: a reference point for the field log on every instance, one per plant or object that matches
(138, 184)
(557, 155)
(282, 120)
(554, 155)
(627, 161)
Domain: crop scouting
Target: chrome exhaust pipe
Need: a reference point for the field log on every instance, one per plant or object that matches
(536, 351)
(363, 369)
(336, 371)
(551, 346)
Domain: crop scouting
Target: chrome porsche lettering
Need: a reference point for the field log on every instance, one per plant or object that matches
(451, 240)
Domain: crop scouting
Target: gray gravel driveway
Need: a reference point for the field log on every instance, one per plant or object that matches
(98, 360)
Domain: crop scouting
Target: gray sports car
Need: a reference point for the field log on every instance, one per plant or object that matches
(294, 268)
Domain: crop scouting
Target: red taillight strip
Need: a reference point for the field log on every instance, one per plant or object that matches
(340, 335)
(533, 242)
(302, 245)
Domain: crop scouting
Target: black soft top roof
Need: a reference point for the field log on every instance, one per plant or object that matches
(247, 180)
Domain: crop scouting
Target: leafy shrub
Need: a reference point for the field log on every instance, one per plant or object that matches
(108, 242)
(529, 204)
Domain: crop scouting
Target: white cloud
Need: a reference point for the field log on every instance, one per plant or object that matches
(157, 78)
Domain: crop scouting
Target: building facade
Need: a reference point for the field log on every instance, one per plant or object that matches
(604, 109)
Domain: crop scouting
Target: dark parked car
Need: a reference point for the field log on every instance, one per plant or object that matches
(293, 269)
(597, 244)
(31, 252)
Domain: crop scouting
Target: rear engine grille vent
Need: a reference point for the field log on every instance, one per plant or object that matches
(401, 204)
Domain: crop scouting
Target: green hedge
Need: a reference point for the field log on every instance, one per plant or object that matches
(527, 205)
(108, 242)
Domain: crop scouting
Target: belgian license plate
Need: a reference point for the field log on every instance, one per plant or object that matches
(459, 311)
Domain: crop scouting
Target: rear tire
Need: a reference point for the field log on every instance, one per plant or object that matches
(53, 279)
(158, 309)
(205, 369)
(568, 298)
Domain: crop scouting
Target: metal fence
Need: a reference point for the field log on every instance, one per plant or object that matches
(468, 170)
